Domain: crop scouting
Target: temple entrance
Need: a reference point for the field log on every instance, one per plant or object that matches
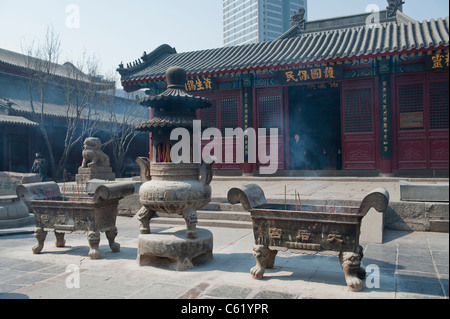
(315, 127)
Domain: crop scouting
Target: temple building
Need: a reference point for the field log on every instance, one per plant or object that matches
(23, 106)
(360, 94)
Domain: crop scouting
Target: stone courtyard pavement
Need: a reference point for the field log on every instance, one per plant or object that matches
(408, 265)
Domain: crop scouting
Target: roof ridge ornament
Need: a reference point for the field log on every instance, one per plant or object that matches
(298, 19)
(394, 6)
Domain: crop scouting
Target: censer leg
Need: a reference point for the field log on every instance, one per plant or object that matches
(190, 216)
(60, 241)
(94, 241)
(265, 258)
(354, 273)
(40, 235)
(111, 235)
(144, 217)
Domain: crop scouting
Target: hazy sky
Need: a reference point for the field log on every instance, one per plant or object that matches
(122, 30)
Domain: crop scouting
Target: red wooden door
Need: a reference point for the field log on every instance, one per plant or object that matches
(270, 114)
(226, 112)
(411, 130)
(422, 116)
(438, 134)
(359, 146)
(230, 117)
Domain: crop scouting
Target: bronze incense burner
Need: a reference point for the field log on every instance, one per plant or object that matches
(173, 188)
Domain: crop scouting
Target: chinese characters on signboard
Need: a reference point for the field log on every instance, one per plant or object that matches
(304, 75)
(437, 61)
(200, 84)
(322, 86)
(247, 98)
(411, 120)
(386, 147)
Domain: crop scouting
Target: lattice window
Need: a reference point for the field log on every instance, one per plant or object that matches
(269, 112)
(411, 106)
(439, 105)
(358, 111)
(229, 114)
(209, 115)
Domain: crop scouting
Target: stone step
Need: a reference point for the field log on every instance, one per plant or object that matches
(216, 215)
(216, 206)
(224, 215)
(177, 220)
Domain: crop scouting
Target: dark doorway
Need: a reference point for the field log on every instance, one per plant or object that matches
(315, 127)
(2, 153)
(18, 153)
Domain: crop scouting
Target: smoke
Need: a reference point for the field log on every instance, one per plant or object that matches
(315, 129)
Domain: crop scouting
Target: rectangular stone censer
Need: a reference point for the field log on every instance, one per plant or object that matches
(307, 229)
(63, 214)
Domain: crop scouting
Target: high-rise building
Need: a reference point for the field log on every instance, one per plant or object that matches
(252, 21)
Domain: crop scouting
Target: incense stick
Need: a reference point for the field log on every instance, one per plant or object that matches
(295, 198)
(285, 208)
(64, 190)
(82, 189)
(300, 202)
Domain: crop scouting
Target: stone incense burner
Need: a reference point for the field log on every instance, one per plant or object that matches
(307, 229)
(169, 187)
(63, 214)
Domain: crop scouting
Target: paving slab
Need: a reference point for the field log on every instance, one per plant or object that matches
(397, 271)
(424, 192)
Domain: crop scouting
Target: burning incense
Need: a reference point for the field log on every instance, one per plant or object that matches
(64, 190)
(285, 204)
(82, 189)
(300, 202)
(295, 198)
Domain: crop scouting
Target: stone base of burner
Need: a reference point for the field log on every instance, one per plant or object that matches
(171, 249)
(14, 213)
(87, 174)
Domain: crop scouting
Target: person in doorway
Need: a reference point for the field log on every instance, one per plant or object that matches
(297, 152)
(40, 167)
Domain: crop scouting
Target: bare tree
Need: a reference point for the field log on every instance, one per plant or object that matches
(80, 85)
(84, 103)
(41, 61)
(123, 115)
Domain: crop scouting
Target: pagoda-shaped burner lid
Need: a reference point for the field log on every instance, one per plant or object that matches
(176, 95)
(175, 107)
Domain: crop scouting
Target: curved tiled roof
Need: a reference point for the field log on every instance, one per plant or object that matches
(66, 70)
(321, 46)
(16, 90)
(18, 120)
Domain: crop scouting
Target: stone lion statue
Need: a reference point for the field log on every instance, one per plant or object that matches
(93, 156)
